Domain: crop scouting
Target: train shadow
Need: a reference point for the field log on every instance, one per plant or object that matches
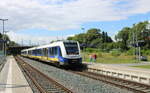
(81, 67)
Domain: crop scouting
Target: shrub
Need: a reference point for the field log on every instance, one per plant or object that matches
(147, 52)
(130, 51)
(92, 50)
(115, 53)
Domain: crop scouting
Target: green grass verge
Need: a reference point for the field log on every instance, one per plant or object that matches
(107, 58)
(143, 66)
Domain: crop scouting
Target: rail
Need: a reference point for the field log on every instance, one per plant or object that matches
(122, 83)
(43, 83)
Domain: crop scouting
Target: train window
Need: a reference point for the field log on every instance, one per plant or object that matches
(29, 52)
(53, 51)
(39, 52)
(60, 54)
(45, 52)
(71, 48)
(50, 51)
(33, 52)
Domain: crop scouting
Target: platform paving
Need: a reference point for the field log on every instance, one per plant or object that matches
(126, 64)
(12, 79)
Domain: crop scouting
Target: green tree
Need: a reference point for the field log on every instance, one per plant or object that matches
(93, 38)
(96, 43)
(141, 32)
(92, 35)
(81, 38)
(123, 37)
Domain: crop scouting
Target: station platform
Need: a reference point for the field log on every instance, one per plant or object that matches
(12, 79)
(124, 71)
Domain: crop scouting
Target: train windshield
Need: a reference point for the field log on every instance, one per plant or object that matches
(71, 48)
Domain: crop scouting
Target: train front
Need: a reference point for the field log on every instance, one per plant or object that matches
(72, 54)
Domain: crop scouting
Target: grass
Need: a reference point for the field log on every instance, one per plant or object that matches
(143, 66)
(107, 58)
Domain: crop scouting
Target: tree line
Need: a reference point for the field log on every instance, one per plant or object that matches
(127, 37)
(92, 38)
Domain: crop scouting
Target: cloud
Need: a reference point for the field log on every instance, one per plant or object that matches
(33, 40)
(135, 7)
(141, 7)
(67, 14)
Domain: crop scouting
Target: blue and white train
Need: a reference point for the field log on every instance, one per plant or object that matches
(61, 53)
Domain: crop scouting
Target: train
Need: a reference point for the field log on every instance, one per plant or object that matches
(61, 53)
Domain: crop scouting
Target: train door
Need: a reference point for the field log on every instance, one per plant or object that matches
(55, 49)
(54, 53)
(45, 53)
(59, 52)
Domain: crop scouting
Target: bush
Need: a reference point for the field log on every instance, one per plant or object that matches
(92, 50)
(146, 52)
(115, 53)
(130, 51)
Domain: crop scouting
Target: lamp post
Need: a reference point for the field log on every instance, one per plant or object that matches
(3, 20)
(5, 44)
(83, 44)
(136, 44)
(148, 28)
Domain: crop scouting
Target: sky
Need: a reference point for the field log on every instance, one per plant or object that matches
(41, 21)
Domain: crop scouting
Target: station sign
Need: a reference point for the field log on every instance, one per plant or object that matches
(3, 41)
(140, 43)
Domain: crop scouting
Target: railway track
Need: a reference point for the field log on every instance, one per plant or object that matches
(43, 83)
(122, 83)
(113, 81)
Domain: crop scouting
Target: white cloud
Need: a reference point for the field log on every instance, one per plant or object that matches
(67, 14)
(135, 7)
(33, 40)
(51, 15)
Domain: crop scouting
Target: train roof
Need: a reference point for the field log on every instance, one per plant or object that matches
(48, 45)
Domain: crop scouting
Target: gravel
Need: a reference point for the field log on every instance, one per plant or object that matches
(74, 82)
